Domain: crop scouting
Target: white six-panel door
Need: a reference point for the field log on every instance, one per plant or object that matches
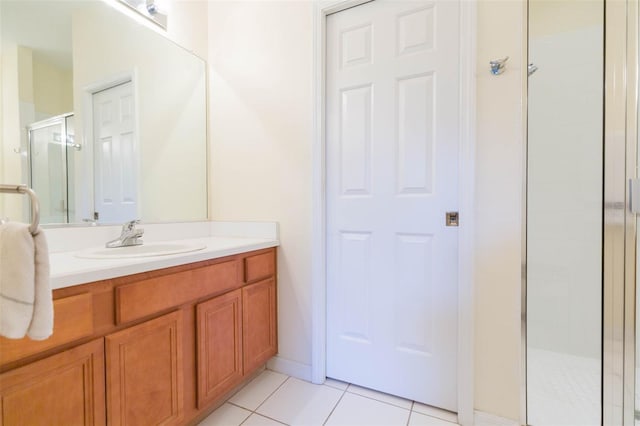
(116, 167)
(392, 112)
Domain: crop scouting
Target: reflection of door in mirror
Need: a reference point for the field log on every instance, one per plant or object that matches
(49, 143)
(116, 176)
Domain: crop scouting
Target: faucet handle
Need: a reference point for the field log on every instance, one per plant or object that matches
(130, 226)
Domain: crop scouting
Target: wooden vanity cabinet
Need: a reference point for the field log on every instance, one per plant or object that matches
(63, 389)
(160, 347)
(236, 332)
(144, 373)
(259, 331)
(219, 343)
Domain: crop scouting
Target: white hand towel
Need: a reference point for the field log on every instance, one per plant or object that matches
(24, 283)
(41, 326)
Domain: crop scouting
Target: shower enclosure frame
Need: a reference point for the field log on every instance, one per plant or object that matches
(629, 65)
(620, 230)
(618, 310)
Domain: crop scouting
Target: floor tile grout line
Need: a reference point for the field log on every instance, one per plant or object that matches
(413, 403)
(236, 405)
(413, 409)
(270, 418)
(384, 402)
(254, 411)
(344, 392)
(245, 420)
(335, 387)
(436, 417)
(271, 394)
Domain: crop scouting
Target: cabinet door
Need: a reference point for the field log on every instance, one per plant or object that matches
(219, 346)
(259, 334)
(64, 389)
(144, 373)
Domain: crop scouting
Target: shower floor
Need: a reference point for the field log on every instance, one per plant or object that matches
(563, 389)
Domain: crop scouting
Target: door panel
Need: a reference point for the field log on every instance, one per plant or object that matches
(116, 169)
(392, 174)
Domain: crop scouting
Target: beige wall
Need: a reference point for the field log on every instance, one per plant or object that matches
(261, 113)
(260, 57)
(499, 173)
(25, 74)
(187, 25)
(10, 130)
(558, 16)
(52, 88)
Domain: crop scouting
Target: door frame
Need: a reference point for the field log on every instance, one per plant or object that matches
(467, 103)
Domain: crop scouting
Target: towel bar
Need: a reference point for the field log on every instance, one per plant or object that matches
(35, 205)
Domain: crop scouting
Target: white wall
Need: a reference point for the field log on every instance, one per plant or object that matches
(261, 81)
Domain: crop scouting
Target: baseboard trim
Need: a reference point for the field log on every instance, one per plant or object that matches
(485, 419)
(290, 368)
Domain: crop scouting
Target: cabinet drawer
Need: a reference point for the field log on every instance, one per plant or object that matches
(72, 320)
(259, 266)
(147, 297)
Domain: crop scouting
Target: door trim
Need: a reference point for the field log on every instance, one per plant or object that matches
(466, 260)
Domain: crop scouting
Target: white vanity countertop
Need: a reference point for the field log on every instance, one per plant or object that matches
(67, 269)
(220, 238)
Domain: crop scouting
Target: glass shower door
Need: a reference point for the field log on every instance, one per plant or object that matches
(564, 212)
(49, 142)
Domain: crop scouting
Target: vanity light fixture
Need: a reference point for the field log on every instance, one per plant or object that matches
(153, 10)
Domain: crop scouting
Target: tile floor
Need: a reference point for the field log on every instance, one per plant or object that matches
(276, 399)
(563, 389)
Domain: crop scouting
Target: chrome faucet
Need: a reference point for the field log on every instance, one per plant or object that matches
(130, 236)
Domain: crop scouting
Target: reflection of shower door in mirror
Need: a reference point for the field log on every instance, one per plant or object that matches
(116, 167)
(49, 143)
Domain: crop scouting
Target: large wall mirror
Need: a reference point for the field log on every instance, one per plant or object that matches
(103, 116)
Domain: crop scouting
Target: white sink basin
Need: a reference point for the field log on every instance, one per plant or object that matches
(144, 250)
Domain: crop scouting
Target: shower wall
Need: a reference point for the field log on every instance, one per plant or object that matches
(565, 192)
